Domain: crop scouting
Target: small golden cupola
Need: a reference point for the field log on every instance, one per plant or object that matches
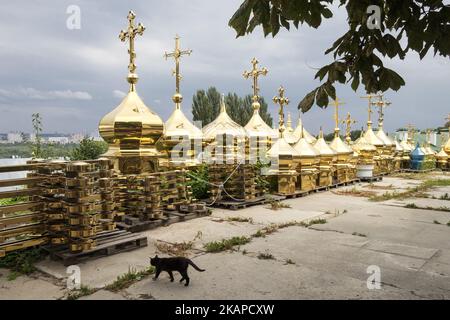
(260, 134)
(447, 145)
(326, 159)
(225, 137)
(178, 127)
(132, 129)
(289, 135)
(308, 162)
(301, 131)
(284, 158)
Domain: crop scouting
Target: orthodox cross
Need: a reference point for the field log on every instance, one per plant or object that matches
(255, 73)
(381, 104)
(410, 131)
(130, 35)
(369, 97)
(176, 55)
(281, 100)
(348, 121)
(336, 103)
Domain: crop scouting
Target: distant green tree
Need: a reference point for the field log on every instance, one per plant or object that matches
(88, 149)
(36, 121)
(263, 111)
(355, 134)
(206, 107)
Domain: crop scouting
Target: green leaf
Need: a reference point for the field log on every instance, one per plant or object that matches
(307, 101)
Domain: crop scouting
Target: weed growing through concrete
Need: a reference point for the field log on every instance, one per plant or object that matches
(418, 191)
(78, 293)
(225, 244)
(414, 206)
(240, 219)
(125, 280)
(22, 261)
(359, 234)
(355, 192)
(265, 256)
(177, 249)
(13, 275)
(278, 205)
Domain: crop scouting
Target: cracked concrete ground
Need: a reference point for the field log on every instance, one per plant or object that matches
(324, 261)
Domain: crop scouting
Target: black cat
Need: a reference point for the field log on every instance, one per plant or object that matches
(179, 264)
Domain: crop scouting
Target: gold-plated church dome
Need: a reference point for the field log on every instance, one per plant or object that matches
(339, 146)
(371, 137)
(322, 146)
(361, 144)
(301, 131)
(384, 138)
(447, 146)
(257, 127)
(305, 149)
(179, 125)
(289, 135)
(223, 125)
(131, 129)
(442, 155)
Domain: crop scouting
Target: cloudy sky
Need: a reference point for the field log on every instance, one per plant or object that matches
(74, 77)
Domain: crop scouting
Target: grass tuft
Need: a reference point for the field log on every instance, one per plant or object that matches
(125, 280)
(225, 244)
(78, 293)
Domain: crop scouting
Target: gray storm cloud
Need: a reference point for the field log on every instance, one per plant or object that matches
(74, 77)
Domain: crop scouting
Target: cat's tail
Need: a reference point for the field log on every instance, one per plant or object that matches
(195, 266)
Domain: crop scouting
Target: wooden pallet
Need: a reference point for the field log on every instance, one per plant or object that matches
(236, 205)
(170, 217)
(418, 171)
(320, 189)
(297, 194)
(371, 179)
(108, 243)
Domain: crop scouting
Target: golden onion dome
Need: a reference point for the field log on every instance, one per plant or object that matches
(447, 146)
(178, 125)
(257, 127)
(281, 148)
(406, 145)
(383, 137)
(131, 127)
(371, 138)
(428, 150)
(361, 144)
(288, 134)
(339, 146)
(300, 130)
(442, 155)
(223, 125)
(322, 147)
(305, 149)
(398, 146)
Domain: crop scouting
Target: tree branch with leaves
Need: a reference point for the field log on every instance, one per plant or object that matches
(404, 26)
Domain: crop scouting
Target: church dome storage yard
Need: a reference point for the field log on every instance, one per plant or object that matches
(157, 174)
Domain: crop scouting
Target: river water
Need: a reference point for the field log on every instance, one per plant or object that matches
(12, 175)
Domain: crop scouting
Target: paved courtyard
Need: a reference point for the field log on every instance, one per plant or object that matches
(407, 240)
